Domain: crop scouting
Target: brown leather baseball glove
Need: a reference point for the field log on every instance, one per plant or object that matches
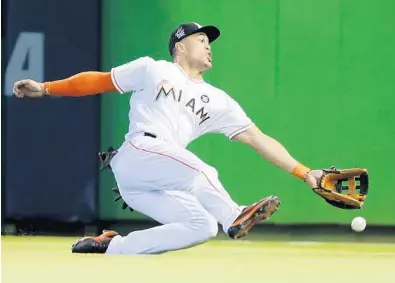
(346, 188)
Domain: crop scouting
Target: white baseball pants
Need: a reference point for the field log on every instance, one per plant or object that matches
(174, 187)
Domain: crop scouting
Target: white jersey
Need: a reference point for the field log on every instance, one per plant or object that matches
(167, 103)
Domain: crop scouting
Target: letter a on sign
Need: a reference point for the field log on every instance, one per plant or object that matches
(26, 61)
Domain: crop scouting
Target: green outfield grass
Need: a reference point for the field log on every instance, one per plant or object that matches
(48, 259)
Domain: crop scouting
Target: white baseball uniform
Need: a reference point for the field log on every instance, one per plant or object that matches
(158, 176)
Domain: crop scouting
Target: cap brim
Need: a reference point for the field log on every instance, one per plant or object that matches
(212, 32)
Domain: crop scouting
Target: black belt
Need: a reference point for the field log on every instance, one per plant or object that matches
(149, 135)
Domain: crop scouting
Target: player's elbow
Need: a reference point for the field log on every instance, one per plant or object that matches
(250, 136)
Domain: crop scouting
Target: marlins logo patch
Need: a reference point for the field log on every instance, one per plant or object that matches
(204, 98)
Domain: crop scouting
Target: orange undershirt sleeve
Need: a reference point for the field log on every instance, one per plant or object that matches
(300, 171)
(82, 84)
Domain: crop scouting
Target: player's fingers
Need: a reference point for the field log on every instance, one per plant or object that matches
(22, 83)
(17, 92)
(19, 95)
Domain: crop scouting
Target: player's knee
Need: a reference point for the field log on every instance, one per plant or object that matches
(207, 228)
(212, 228)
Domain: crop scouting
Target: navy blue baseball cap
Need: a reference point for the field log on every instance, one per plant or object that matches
(186, 29)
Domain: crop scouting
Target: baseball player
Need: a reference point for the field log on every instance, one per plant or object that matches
(170, 106)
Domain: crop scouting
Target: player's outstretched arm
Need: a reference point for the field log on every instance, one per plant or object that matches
(81, 84)
(275, 152)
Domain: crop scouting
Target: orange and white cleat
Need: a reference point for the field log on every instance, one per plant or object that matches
(253, 214)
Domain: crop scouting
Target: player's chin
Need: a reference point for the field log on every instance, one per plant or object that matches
(208, 64)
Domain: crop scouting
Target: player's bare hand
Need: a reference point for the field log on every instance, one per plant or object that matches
(313, 177)
(28, 88)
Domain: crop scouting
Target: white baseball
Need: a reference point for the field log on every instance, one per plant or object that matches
(358, 224)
